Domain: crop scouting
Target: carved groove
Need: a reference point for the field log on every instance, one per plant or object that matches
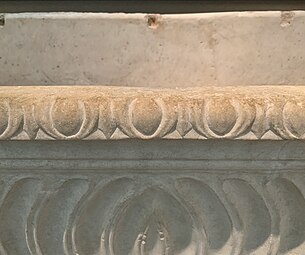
(117, 113)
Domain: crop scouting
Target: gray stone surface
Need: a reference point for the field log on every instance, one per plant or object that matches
(152, 197)
(250, 48)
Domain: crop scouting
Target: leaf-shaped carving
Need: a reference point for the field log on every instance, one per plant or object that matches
(146, 117)
(95, 215)
(13, 215)
(210, 211)
(290, 205)
(66, 118)
(184, 118)
(154, 222)
(253, 213)
(106, 123)
(4, 116)
(294, 119)
(148, 215)
(99, 113)
(10, 119)
(221, 117)
(58, 208)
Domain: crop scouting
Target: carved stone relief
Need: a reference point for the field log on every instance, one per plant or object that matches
(144, 214)
(127, 197)
(175, 167)
(64, 113)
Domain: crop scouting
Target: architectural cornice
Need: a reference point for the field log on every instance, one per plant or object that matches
(100, 113)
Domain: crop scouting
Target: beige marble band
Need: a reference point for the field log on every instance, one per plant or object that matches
(100, 113)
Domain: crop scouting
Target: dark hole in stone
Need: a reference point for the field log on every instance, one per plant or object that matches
(2, 20)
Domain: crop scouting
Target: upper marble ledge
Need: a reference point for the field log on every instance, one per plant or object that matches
(218, 49)
(101, 113)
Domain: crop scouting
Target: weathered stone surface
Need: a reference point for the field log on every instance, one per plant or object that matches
(152, 197)
(192, 182)
(247, 48)
(249, 113)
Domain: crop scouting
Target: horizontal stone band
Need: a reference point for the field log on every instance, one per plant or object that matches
(100, 113)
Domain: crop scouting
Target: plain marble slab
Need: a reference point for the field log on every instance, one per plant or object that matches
(237, 48)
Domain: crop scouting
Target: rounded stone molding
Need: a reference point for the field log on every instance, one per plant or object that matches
(99, 113)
